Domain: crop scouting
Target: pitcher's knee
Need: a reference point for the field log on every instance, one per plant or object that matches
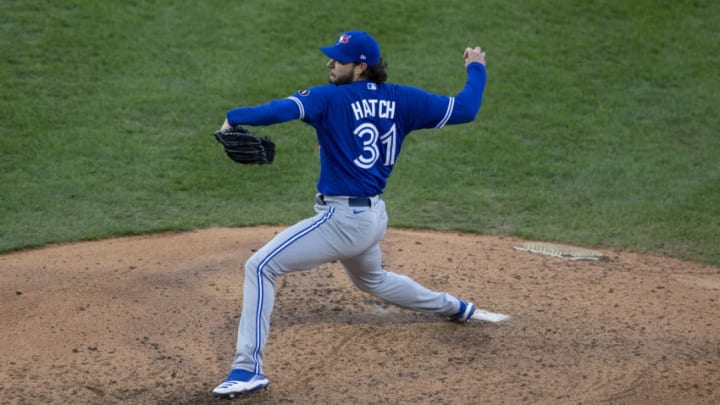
(257, 265)
(372, 286)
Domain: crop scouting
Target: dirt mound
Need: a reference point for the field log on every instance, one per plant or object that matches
(153, 319)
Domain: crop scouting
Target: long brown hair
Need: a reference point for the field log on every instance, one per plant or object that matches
(377, 73)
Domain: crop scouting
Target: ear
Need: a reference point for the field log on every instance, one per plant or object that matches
(359, 70)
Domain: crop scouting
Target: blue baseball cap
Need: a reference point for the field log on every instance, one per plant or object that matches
(354, 46)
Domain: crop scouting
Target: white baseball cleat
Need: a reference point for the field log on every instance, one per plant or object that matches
(239, 382)
(468, 312)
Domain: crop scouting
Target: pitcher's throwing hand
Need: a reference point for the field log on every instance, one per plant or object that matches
(474, 55)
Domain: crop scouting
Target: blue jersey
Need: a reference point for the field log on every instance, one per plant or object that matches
(361, 126)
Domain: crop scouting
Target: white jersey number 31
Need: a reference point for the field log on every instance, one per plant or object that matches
(371, 150)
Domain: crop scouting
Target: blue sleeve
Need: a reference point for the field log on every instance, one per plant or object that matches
(434, 111)
(427, 110)
(467, 102)
(274, 112)
(313, 102)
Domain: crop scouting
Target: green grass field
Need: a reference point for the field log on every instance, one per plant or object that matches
(599, 124)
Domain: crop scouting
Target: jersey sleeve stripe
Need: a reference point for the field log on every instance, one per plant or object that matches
(448, 113)
(300, 106)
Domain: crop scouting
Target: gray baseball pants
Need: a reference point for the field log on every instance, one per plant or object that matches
(344, 229)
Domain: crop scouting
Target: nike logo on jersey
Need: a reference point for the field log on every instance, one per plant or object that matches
(358, 211)
(373, 108)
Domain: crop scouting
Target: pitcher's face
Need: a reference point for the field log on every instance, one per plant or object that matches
(343, 73)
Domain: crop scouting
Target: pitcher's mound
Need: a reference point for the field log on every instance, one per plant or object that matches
(153, 319)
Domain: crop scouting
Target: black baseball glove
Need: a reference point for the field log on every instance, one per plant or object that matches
(243, 146)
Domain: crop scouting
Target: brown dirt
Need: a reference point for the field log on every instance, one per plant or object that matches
(153, 319)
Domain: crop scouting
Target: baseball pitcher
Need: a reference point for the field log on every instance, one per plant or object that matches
(361, 122)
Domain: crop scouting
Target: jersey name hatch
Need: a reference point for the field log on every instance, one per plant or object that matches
(373, 108)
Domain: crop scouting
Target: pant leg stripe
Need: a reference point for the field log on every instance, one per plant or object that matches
(261, 289)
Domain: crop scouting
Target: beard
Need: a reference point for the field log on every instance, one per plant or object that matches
(340, 79)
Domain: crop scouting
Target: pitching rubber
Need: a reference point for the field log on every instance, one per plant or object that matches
(487, 316)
